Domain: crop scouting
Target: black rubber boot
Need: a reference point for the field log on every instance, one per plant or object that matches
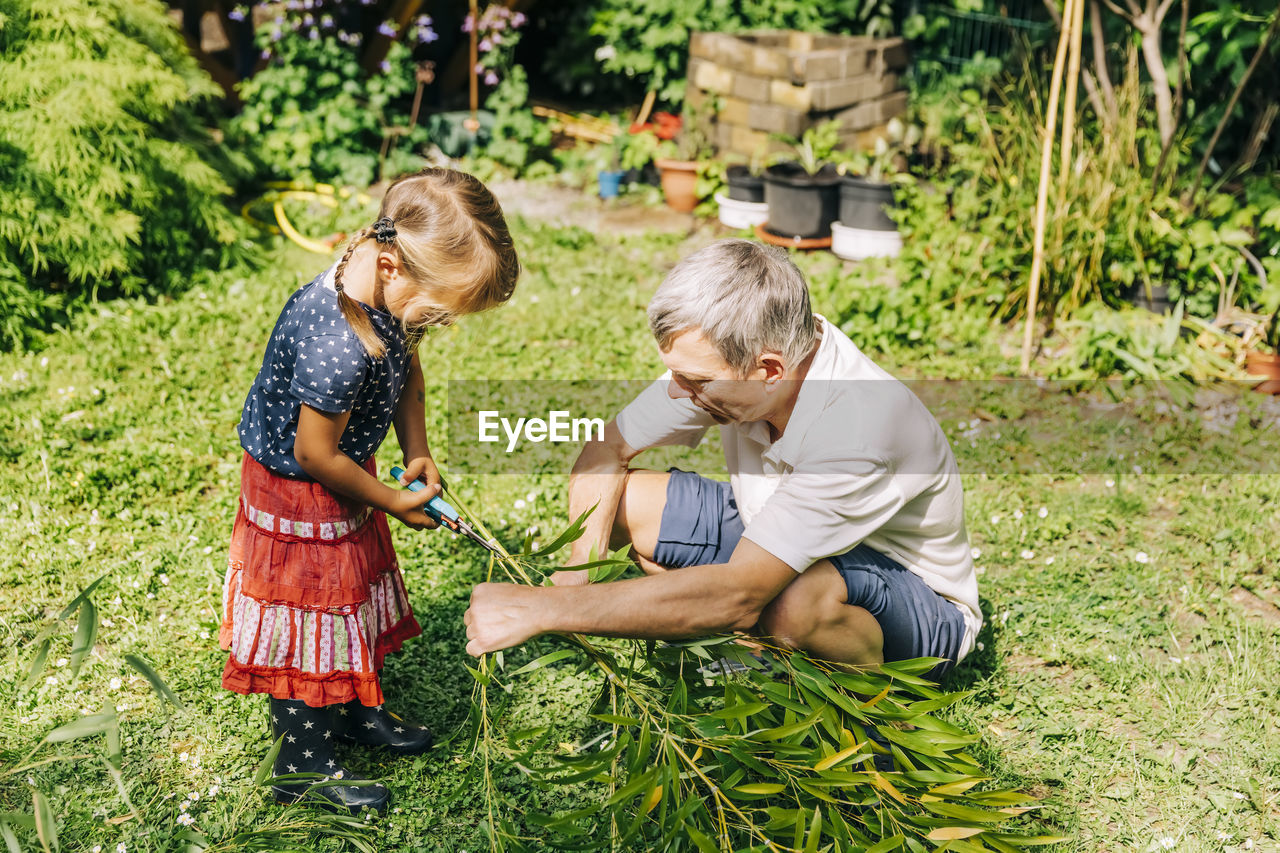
(307, 747)
(377, 727)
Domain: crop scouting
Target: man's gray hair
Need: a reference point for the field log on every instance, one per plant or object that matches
(745, 297)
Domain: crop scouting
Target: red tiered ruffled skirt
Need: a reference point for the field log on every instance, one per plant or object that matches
(313, 599)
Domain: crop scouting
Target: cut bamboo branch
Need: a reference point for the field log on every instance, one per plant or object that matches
(1042, 195)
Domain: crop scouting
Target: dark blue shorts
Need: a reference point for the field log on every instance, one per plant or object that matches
(701, 525)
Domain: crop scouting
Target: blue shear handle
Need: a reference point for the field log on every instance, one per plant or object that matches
(438, 508)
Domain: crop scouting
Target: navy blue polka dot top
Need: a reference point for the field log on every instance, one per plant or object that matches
(314, 357)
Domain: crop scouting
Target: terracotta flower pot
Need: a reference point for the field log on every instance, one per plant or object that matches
(1265, 366)
(679, 178)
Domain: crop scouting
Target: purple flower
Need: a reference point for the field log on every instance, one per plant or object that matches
(326, 21)
(313, 34)
(478, 68)
(387, 29)
(384, 66)
(426, 35)
(491, 79)
(266, 54)
(485, 45)
(236, 14)
(424, 20)
(308, 20)
(518, 19)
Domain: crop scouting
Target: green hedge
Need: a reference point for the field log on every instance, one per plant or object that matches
(109, 180)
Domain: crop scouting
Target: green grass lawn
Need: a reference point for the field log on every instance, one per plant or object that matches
(1128, 673)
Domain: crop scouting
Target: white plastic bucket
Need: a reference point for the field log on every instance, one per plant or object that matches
(741, 214)
(854, 244)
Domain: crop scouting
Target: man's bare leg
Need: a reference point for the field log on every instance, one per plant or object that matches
(639, 516)
(812, 613)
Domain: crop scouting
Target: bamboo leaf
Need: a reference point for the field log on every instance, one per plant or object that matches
(46, 830)
(834, 759)
(780, 732)
(616, 720)
(888, 787)
(740, 711)
(569, 534)
(79, 599)
(705, 844)
(651, 801)
(959, 812)
(954, 788)
(157, 683)
(83, 727)
(267, 765)
(545, 660)
(1030, 840)
(86, 635)
(761, 788)
(894, 842)
(10, 840)
(38, 662)
(952, 833)
(815, 831)
(875, 700)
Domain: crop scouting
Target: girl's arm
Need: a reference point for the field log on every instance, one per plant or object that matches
(316, 449)
(411, 428)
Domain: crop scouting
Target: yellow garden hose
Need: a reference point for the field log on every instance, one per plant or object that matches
(278, 192)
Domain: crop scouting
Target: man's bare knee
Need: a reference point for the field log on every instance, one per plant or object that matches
(639, 515)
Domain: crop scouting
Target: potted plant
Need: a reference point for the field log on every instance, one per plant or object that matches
(677, 161)
(1266, 365)
(746, 180)
(802, 192)
(611, 172)
(867, 178)
(742, 205)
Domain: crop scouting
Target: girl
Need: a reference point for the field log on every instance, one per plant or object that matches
(313, 598)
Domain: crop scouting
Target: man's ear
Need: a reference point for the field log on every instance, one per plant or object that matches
(773, 367)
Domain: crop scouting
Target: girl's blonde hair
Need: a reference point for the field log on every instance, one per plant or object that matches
(451, 238)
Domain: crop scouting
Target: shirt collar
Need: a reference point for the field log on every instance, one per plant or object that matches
(810, 402)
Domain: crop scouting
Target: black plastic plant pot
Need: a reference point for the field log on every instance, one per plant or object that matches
(744, 186)
(800, 204)
(865, 204)
(1157, 301)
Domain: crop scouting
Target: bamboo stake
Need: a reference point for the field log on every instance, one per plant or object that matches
(1042, 195)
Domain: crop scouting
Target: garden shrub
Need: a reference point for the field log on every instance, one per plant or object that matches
(109, 180)
(314, 114)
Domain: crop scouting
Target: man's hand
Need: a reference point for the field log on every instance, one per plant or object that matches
(501, 615)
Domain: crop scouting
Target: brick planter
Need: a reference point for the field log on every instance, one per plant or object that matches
(779, 81)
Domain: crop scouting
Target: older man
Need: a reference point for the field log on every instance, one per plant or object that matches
(841, 530)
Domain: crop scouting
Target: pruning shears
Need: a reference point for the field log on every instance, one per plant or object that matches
(444, 513)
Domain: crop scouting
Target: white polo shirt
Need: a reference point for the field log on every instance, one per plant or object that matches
(861, 461)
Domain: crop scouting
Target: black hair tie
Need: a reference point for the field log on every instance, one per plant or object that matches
(384, 230)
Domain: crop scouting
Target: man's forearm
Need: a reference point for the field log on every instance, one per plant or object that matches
(598, 479)
(693, 602)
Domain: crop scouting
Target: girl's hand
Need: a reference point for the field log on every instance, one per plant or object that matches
(409, 506)
(421, 468)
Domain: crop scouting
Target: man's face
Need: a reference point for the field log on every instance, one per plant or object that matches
(709, 382)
